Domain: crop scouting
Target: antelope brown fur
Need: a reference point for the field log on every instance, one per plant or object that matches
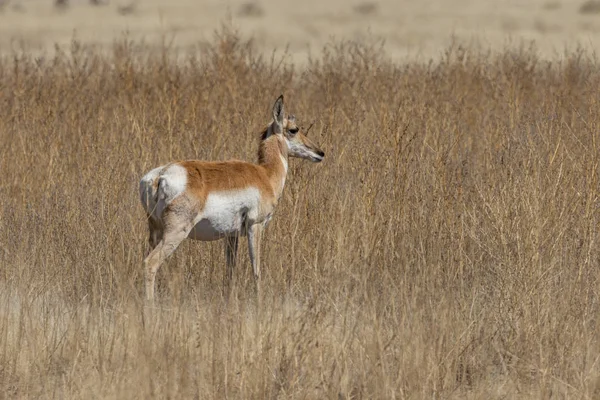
(211, 200)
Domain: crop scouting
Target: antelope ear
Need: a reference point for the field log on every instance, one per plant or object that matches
(278, 112)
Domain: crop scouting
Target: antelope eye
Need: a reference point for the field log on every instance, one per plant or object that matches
(293, 131)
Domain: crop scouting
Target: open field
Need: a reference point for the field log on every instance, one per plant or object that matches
(412, 29)
(447, 247)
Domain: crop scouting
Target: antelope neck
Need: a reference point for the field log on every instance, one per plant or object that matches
(273, 157)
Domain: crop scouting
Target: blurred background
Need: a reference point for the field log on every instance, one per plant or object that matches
(413, 29)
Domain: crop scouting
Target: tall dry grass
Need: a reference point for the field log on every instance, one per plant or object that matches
(447, 247)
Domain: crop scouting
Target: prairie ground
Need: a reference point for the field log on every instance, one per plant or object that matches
(412, 29)
(447, 247)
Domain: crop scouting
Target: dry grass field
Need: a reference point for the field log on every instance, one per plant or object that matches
(447, 247)
(412, 29)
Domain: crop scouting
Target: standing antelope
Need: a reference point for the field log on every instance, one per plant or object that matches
(210, 200)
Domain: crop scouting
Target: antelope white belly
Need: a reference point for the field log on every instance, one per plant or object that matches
(224, 213)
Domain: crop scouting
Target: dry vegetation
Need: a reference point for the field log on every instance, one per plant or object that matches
(447, 247)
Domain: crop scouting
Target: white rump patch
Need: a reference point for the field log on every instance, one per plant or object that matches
(160, 186)
(224, 213)
(173, 182)
(148, 189)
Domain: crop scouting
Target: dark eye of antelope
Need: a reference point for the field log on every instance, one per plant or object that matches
(293, 131)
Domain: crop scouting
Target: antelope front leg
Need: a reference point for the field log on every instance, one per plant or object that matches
(254, 238)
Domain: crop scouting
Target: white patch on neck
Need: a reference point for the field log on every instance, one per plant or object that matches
(285, 168)
(284, 162)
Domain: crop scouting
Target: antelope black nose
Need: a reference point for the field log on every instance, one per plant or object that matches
(321, 153)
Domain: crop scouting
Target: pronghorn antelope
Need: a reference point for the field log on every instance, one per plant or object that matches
(210, 200)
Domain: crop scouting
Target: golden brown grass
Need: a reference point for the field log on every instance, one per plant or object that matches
(445, 248)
